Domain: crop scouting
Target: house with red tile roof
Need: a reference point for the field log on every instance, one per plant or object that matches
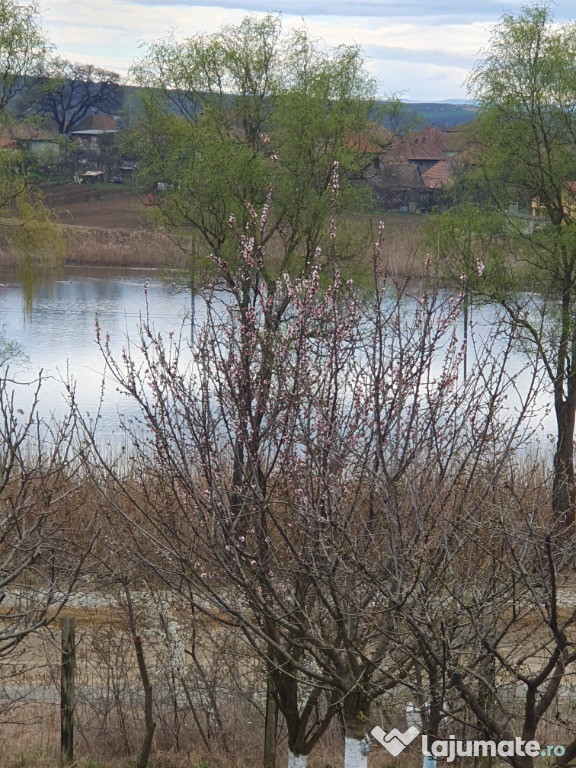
(414, 171)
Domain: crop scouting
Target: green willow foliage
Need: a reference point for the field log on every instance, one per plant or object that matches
(27, 224)
(513, 234)
(233, 115)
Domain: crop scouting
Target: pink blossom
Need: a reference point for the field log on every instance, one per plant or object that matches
(335, 180)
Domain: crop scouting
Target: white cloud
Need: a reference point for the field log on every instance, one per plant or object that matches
(373, 8)
(417, 46)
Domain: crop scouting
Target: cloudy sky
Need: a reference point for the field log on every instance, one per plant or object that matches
(420, 49)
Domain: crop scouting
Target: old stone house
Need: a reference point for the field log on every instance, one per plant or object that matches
(414, 171)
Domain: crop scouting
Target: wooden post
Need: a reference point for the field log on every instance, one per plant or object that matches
(67, 702)
(270, 722)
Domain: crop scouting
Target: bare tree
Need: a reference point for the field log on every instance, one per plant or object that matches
(493, 627)
(485, 592)
(44, 534)
(288, 478)
(67, 92)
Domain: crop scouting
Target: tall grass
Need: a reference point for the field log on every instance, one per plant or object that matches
(142, 247)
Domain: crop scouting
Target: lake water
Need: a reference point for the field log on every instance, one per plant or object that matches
(57, 334)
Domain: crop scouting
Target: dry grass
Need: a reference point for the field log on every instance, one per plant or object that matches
(95, 246)
(402, 245)
(139, 246)
(109, 710)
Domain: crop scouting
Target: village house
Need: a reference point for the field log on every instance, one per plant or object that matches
(30, 137)
(414, 171)
(538, 211)
(94, 131)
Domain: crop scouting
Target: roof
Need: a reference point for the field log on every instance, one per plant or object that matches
(92, 132)
(401, 174)
(373, 139)
(438, 175)
(11, 134)
(97, 123)
(429, 144)
(457, 139)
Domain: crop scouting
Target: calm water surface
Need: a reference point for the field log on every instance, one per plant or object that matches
(57, 334)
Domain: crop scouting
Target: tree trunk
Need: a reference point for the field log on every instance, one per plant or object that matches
(563, 490)
(304, 717)
(357, 744)
(67, 697)
(270, 727)
(356, 752)
(527, 761)
(296, 761)
(150, 725)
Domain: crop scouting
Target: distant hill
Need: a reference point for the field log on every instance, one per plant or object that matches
(443, 115)
(466, 102)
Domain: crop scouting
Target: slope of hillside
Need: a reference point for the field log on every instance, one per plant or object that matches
(442, 115)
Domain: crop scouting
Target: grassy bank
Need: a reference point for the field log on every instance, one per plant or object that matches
(139, 246)
(96, 246)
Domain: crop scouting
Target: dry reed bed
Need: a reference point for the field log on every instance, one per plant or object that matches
(145, 247)
(95, 246)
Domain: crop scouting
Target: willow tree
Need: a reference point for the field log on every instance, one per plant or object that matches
(23, 48)
(28, 224)
(248, 109)
(523, 177)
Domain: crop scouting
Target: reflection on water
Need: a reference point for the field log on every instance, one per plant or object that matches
(57, 334)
